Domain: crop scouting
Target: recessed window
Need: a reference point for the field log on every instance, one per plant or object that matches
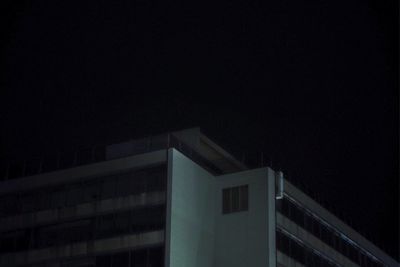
(235, 199)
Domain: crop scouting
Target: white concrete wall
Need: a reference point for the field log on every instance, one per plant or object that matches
(190, 213)
(199, 235)
(247, 238)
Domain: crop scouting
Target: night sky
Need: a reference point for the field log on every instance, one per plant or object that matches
(311, 84)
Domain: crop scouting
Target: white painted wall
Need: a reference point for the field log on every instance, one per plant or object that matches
(247, 238)
(199, 235)
(190, 213)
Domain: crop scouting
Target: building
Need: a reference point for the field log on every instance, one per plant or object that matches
(176, 200)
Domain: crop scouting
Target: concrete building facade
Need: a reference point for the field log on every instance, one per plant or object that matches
(174, 200)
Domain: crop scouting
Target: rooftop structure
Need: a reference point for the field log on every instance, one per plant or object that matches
(174, 200)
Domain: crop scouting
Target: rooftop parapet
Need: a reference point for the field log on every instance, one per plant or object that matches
(191, 142)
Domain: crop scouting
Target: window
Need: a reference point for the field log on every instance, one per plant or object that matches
(85, 230)
(299, 252)
(303, 218)
(131, 183)
(235, 199)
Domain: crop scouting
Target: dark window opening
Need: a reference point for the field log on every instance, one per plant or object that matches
(235, 199)
(303, 218)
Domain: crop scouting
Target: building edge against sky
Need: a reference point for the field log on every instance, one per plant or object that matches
(178, 200)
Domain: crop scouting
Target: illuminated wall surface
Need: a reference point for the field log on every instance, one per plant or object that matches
(191, 214)
(201, 235)
(247, 238)
(188, 206)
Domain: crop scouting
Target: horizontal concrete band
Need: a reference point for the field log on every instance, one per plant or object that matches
(89, 209)
(82, 249)
(83, 172)
(311, 241)
(341, 226)
(285, 261)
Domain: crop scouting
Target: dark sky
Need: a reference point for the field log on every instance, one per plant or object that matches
(312, 84)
